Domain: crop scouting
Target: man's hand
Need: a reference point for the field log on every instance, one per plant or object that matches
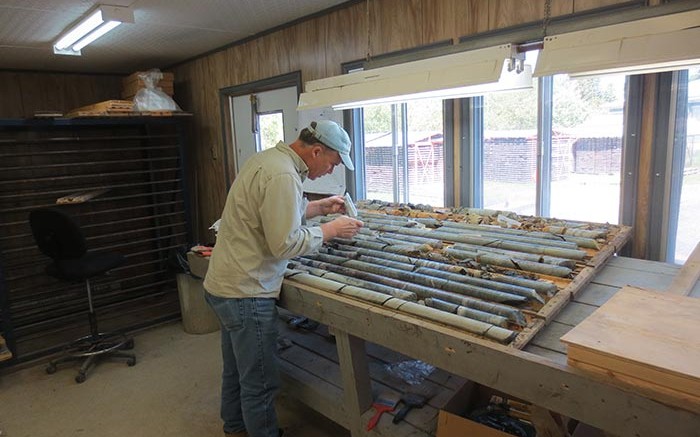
(332, 205)
(342, 227)
(325, 206)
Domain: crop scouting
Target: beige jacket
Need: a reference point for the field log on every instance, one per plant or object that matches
(262, 226)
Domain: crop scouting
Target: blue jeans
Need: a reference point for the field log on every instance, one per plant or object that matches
(250, 378)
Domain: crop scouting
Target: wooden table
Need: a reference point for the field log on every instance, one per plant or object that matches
(537, 374)
(339, 383)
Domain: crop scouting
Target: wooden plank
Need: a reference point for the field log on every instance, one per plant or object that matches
(671, 381)
(329, 371)
(643, 265)
(547, 353)
(548, 338)
(506, 13)
(688, 276)
(696, 290)
(574, 313)
(12, 102)
(389, 20)
(24, 93)
(611, 405)
(585, 5)
(547, 424)
(689, 401)
(439, 376)
(323, 397)
(81, 197)
(107, 105)
(356, 384)
(617, 277)
(644, 334)
(642, 217)
(378, 353)
(314, 392)
(338, 33)
(437, 395)
(452, 19)
(595, 294)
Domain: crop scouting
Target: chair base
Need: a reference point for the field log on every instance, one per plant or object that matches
(92, 348)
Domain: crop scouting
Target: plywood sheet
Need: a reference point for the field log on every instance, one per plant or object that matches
(645, 334)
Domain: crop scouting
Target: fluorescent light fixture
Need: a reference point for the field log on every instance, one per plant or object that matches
(509, 81)
(449, 76)
(95, 24)
(668, 42)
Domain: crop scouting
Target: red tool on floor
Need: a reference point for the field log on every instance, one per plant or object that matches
(384, 402)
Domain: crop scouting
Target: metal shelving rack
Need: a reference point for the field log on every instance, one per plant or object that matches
(143, 214)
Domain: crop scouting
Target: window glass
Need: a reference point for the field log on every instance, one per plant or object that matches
(426, 158)
(687, 234)
(271, 130)
(510, 151)
(587, 129)
(381, 164)
(404, 152)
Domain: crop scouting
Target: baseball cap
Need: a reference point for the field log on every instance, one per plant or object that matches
(333, 136)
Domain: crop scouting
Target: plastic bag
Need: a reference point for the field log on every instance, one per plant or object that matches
(215, 227)
(412, 372)
(152, 98)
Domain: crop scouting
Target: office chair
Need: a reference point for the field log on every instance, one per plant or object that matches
(61, 239)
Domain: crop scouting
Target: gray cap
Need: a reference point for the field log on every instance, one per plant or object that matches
(332, 135)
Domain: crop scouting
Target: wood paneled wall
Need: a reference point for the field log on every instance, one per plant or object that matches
(24, 93)
(317, 47)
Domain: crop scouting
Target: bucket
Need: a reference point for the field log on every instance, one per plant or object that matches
(197, 315)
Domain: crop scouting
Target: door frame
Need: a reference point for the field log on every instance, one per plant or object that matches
(225, 97)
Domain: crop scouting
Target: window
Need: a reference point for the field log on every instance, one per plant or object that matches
(509, 151)
(561, 141)
(684, 227)
(586, 148)
(271, 130)
(404, 152)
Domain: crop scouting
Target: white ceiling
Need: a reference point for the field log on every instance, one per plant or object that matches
(164, 32)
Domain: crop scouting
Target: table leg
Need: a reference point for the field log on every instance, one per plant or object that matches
(357, 390)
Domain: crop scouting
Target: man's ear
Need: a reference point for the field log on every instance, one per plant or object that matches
(316, 150)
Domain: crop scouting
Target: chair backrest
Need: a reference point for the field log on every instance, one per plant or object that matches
(57, 234)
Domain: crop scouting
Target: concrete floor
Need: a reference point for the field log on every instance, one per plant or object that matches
(172, 391)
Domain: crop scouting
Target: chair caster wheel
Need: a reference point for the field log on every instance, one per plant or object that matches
(50, 369)
(128, 345)
(131, 362)
(80, 378)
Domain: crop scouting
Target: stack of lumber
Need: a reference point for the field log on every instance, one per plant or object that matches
(645, 338)
(106, 108)
(133, 83)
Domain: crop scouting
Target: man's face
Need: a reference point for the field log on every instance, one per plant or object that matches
(323, 161)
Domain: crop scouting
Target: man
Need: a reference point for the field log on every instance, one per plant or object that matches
(262, 226)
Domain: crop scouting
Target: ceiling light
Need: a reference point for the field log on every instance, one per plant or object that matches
(668, 42)
(449, 76)
(95, 24)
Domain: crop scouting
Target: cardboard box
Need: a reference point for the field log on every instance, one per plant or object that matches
(452, 425)
(132, 84)
(451, 420)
